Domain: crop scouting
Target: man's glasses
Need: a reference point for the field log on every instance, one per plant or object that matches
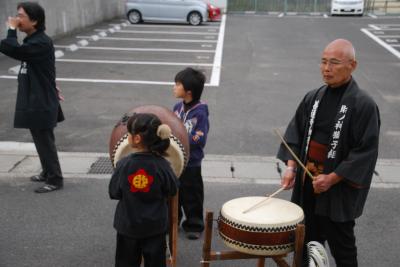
(333, 62)
(21, 16)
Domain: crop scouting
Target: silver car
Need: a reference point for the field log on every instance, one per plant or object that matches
(191, 11)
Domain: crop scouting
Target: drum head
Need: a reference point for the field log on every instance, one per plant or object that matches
(274, 212)
(174, 154)
(177, 153)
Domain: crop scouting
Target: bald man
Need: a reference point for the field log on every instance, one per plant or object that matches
(335, 133)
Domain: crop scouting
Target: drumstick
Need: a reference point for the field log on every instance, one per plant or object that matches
(264, 200)
(293, 154)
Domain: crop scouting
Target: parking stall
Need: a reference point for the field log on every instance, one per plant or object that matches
(150, 53)
(144, 53)
(387, 35)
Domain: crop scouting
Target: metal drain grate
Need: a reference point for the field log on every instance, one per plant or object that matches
(101, 166)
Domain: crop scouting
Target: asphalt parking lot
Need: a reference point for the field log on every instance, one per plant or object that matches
(258, 68)
(255, 79)
(133, 49)
(387, 35)
(77, 229)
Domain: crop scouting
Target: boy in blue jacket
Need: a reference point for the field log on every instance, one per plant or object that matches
(189, 84)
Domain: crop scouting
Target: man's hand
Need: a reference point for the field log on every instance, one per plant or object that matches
(289, 175)
(60, 96)
(323, 182)
(13, 22)
(288, 179)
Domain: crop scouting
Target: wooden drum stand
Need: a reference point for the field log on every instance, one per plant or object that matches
(209, 255)
(173, 230)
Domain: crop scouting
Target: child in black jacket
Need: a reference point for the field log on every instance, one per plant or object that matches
(142, 183)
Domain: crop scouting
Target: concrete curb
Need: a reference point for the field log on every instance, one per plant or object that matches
(24, 162)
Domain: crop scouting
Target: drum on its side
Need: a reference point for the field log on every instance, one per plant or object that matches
(177, 153)
(266, 231)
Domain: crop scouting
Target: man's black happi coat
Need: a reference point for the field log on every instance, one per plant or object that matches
(352, 150)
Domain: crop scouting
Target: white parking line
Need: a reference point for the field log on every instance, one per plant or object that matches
(390, 36)
(151, 40)
(169, 26)
(216, 71)
(382, 43)
(376, 32)
(390, 29)
(388, 25)
(161, 32)
(83, 42)
(202, 57)
(141, 49)
(134, 62)
(374, 27)
(58, 53)
(372, 16)
(103, 81)
(391, 98)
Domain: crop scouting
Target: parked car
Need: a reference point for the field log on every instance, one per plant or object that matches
(347, 7)
(193, 12)
(214, 13)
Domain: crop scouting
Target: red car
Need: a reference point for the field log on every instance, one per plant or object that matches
(214, 13)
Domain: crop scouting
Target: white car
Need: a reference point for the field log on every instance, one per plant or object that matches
(187, 11)
(347, 7)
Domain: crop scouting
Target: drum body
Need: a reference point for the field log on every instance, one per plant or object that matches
(266, 231)
(178, 152)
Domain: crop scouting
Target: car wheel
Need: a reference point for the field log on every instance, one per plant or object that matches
(195, 18)
(134, 16)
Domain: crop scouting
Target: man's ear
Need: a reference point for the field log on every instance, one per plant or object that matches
(354, 64)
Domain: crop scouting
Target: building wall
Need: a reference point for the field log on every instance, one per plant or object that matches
(65, 16)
